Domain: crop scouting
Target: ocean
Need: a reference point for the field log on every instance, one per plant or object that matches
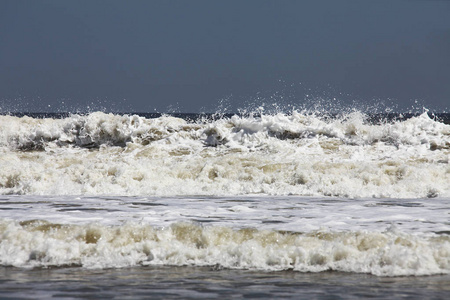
(282, 205)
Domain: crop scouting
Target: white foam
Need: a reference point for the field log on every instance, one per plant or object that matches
(388, 253)
(295, 214)
(280, 154)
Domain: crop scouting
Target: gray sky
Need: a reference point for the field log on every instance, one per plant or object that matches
(192, 56)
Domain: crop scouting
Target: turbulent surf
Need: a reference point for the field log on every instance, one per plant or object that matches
(280, 154)
(300, 191)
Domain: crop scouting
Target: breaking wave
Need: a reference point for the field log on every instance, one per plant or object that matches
(279, 154)
(390, 253)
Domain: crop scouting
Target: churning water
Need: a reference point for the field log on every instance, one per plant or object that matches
(276, 201)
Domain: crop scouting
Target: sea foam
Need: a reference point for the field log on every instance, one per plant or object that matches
(390, 253)
(280, 154)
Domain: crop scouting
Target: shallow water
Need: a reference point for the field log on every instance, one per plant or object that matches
(170, 282)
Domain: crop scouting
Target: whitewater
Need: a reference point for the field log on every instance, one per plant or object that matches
(295, 154)
(296, 191)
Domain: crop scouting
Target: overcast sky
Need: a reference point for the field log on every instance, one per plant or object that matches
(191, 56)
